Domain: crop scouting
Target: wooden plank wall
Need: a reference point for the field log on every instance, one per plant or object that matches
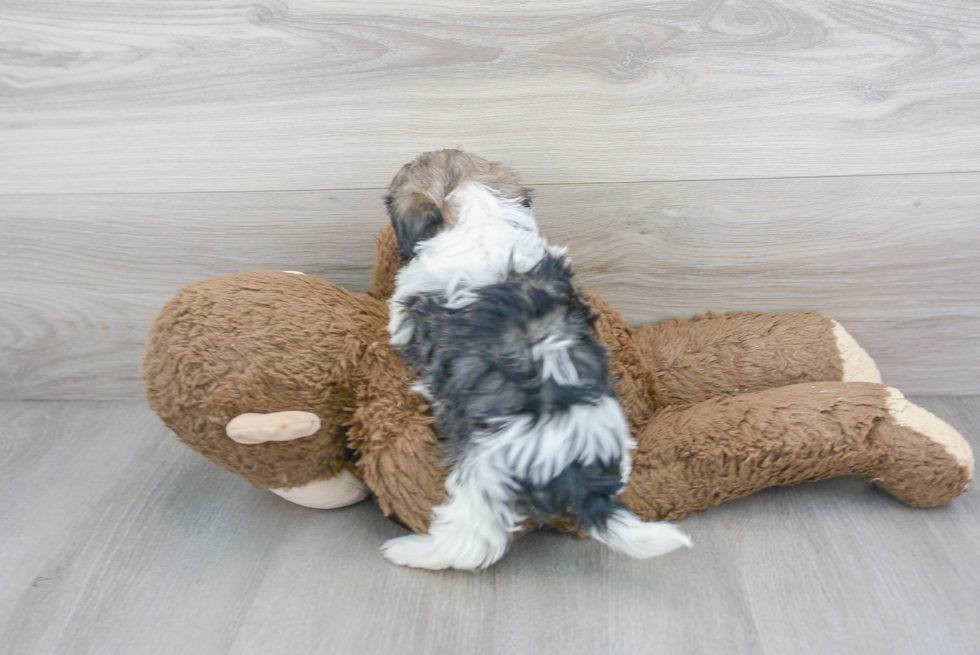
(695, 155)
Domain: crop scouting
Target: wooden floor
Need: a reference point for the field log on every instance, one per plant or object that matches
(116, 539)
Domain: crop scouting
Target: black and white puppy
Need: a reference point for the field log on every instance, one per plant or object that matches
(507, 353)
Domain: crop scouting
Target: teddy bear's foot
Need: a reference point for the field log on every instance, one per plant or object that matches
(418, 551)
(275, 426)
(857, 364)
(341, 490)
(929, 463)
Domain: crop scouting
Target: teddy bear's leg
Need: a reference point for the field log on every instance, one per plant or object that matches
(715, 356)
(694, 457)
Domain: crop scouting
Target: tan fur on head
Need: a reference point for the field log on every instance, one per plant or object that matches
(419, 202)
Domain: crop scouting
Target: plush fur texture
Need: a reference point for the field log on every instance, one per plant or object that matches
(269, 341)
(747, 401)
(726, 448)
(202, 352)
(714, 356)
(507, 351)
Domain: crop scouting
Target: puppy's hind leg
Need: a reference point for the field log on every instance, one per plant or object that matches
(588, 491)
(470, 531)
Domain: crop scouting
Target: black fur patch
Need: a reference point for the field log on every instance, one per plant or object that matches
(585, 491)
(477, 361)
(528, 199)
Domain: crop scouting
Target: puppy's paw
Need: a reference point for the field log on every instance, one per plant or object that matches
(418, 551)
(427, 552)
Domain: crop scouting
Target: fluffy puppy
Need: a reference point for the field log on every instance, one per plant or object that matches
(506, 351)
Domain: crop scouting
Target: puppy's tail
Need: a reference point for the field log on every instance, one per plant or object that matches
(626, 533)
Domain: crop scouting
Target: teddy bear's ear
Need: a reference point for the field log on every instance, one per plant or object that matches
(387, 263)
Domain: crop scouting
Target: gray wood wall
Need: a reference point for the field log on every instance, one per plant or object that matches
(695, 155)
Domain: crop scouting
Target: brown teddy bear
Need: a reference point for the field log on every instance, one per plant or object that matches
(289, 381)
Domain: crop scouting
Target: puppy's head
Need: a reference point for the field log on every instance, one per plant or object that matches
(418, 200)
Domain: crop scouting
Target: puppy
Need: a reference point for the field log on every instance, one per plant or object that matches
(505, 346)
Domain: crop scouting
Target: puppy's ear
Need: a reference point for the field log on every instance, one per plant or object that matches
(551, 267)
(414, 218)
(528, 198)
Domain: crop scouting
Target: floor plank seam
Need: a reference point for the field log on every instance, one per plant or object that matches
(530, 183)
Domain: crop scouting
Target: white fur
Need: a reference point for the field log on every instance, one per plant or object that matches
(422, 389)
(627, 534)
(493, 235)
(540, 451)
(472, 529)
(556, 363)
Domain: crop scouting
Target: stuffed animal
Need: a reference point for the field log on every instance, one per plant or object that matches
(289, 382)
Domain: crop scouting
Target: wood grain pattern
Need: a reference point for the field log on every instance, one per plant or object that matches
(112, 96)
(115, 539)
(83, 277)
(895, 258)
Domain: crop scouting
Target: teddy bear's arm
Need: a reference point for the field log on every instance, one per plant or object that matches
(713, 356)
(392, 429)
(694, 457)
(401, 462)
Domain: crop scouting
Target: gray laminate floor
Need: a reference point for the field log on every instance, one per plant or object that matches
(114, 538)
